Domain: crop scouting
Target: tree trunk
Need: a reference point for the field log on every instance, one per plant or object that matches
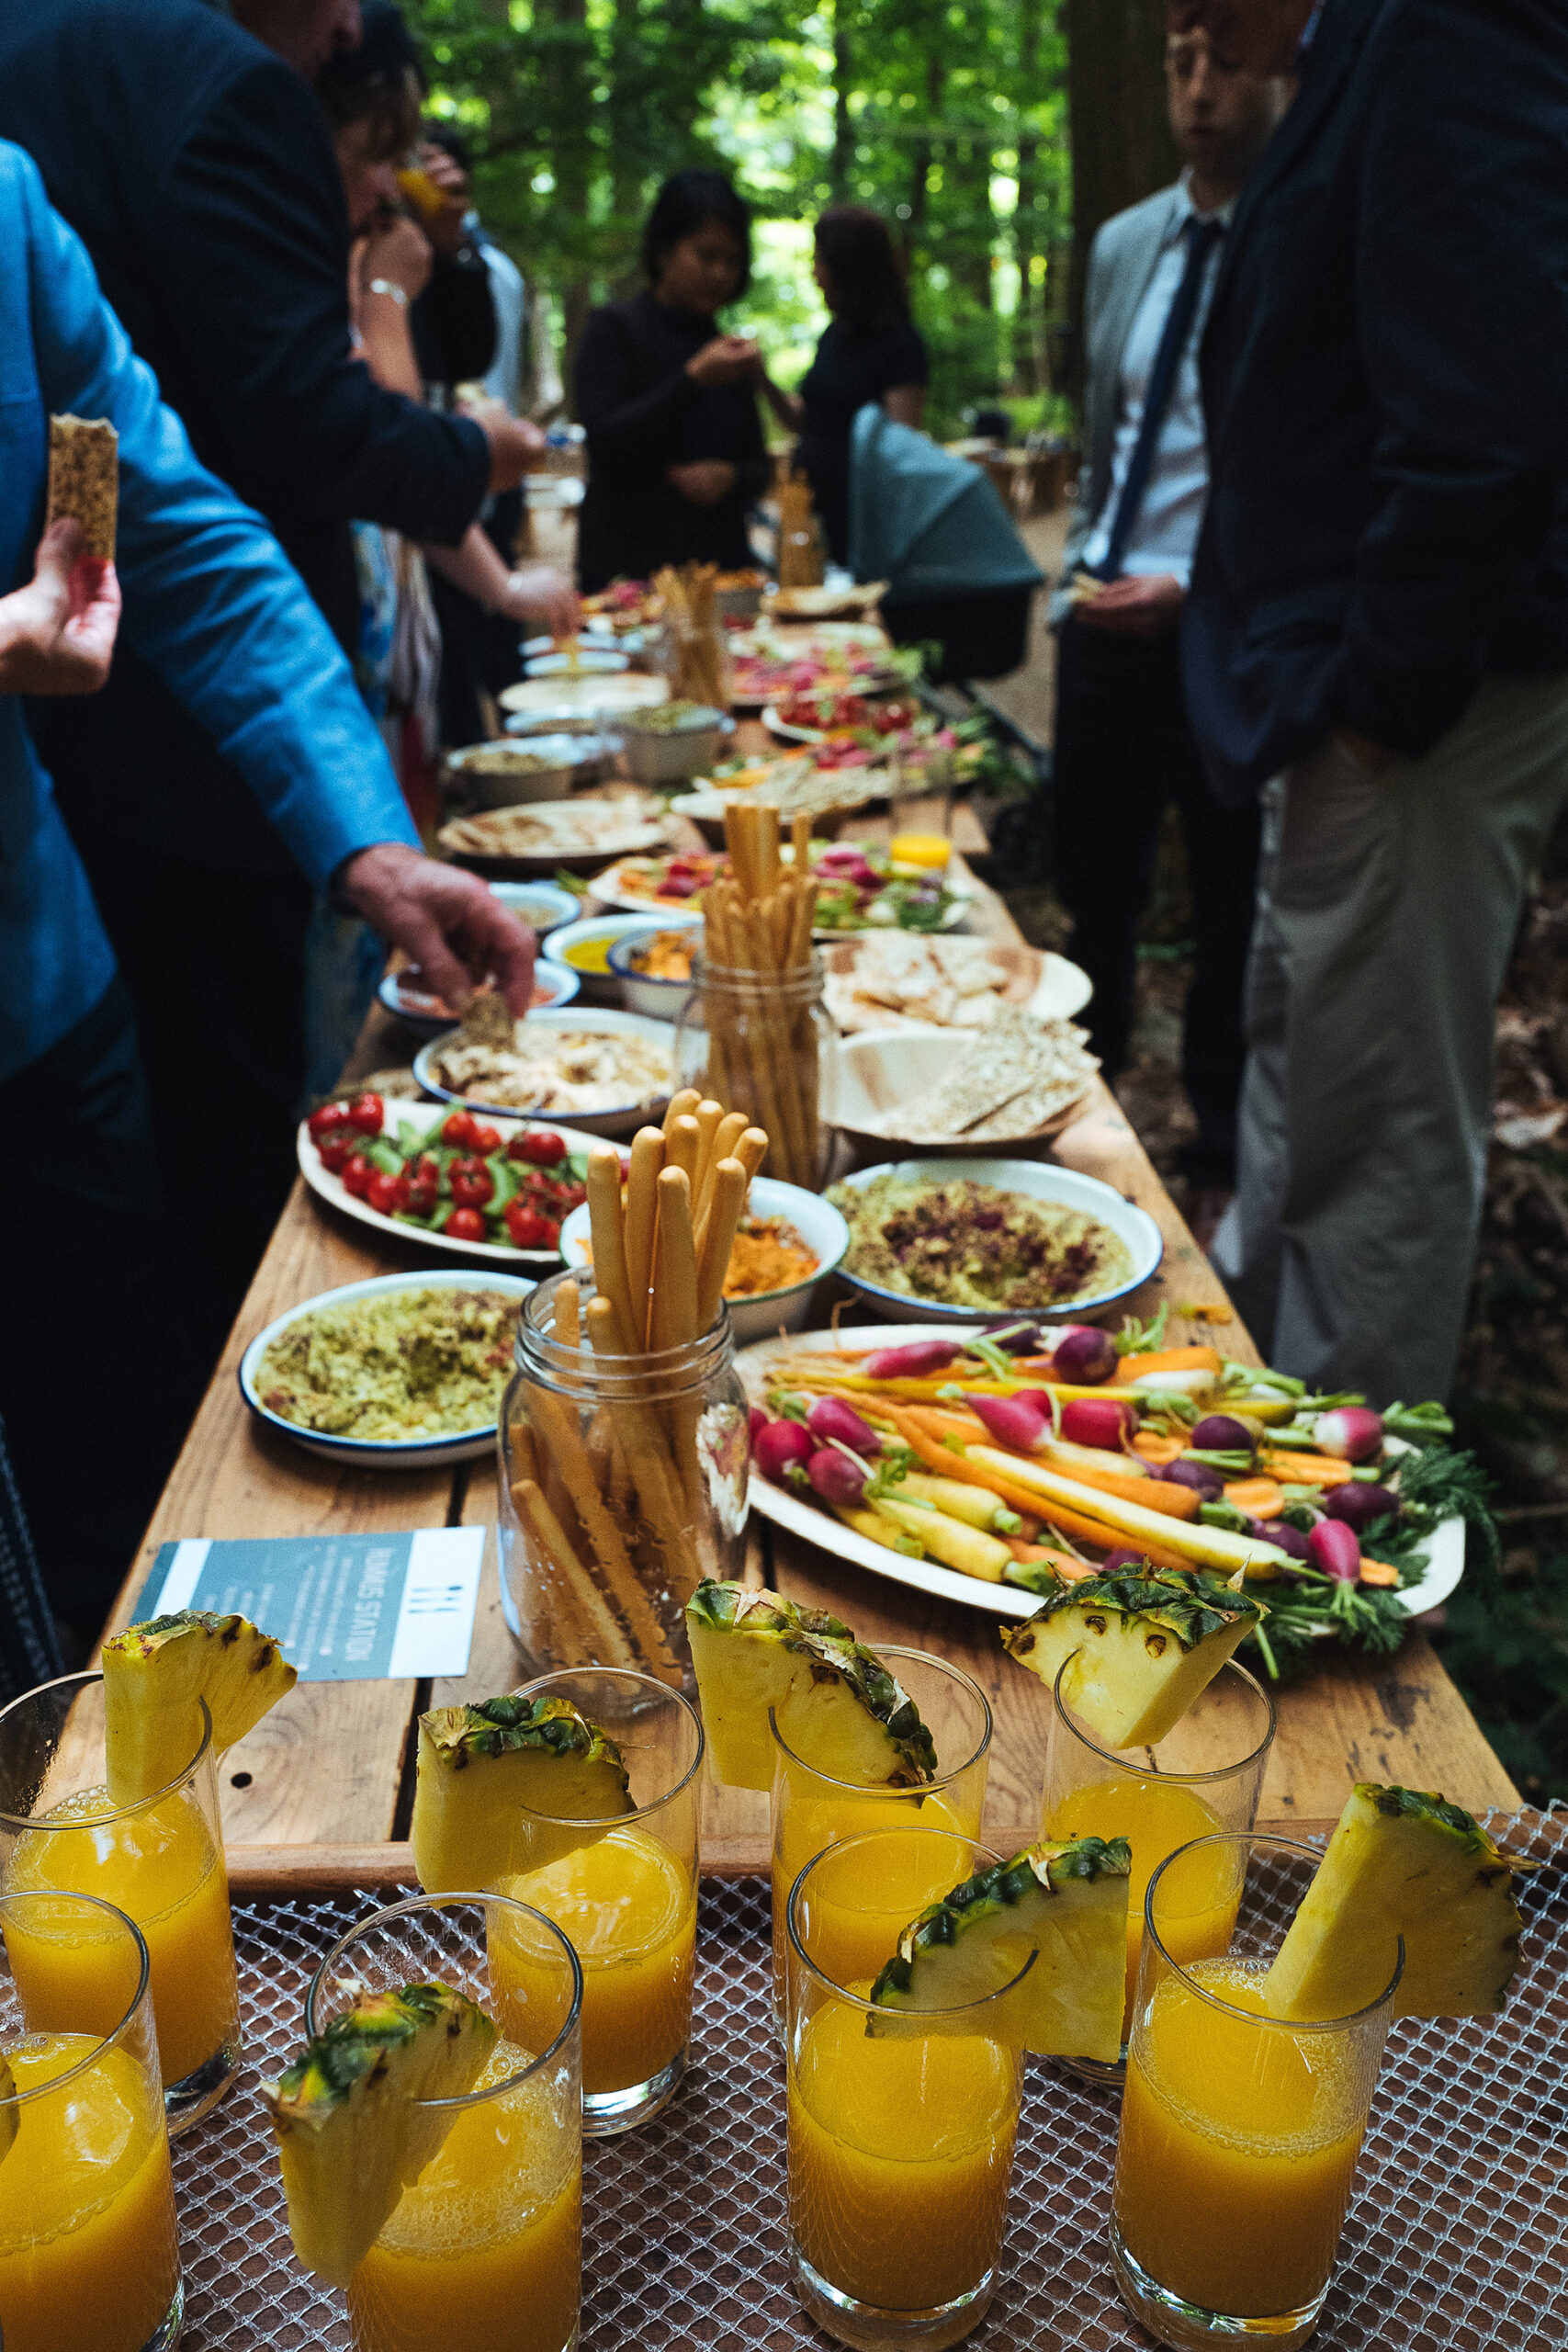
(1031, 367)
(924, 155)
(568, 110)
(1123, 149)
(842, 156)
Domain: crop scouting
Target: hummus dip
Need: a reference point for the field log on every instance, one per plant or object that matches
(412, 1364)
(970, 1245)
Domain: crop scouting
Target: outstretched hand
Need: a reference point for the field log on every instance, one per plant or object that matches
(447, 921)
(57, 634)
(1139, 604)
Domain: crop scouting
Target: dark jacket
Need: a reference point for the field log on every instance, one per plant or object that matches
(1385, 382)
(642, 412)
(198, 170)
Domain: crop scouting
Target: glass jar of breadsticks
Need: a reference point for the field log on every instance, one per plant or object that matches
(694, 653)
(755, 1034)
(623, 1432)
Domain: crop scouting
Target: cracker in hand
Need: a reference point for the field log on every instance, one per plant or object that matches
(84, 479)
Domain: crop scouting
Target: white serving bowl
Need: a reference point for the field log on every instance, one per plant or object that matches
(1040, 1181)
(817, 1221)
(405, 994)
(605, 988)
(644, 992)
(380, 1453)
(672, 755)
(589, 657)
(543, 906)
(500, 790)
(622, 1121)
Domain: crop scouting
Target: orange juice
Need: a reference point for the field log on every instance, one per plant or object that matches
(88, 2252)
(1156, 1816)
(486, 2246)
(899, 2153)
(629, 1910)
(1237, 2149)
(162, 1868)
(853, 1942)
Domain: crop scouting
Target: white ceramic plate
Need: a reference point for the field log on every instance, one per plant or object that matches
(608, 889)
(377, 1454)
(807, 1520)
(1038, 1180)
(816, 1220)
(584, 697)
(621, 1120)
(404, 995)
(429, 1115)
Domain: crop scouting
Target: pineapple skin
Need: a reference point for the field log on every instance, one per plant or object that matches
(154, 1673)
(1065, 1897)
(1147, 1645)
(480, 1766)
(1402, 1862)
(349, 2140)
(836, 1702)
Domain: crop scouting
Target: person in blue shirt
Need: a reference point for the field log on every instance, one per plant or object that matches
(96, 1377)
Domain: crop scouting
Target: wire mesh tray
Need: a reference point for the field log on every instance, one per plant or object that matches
(1456, 2236)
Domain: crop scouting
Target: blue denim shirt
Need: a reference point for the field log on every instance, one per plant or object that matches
(210, 602)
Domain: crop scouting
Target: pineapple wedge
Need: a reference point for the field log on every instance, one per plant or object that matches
(349, 2140)
(836, 1703)
(1402, 1862)
(483, 1770)
(153, 1675)
(1147, 1642)
(1065, 1902)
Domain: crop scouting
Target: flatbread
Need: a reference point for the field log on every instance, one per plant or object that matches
(84, 479)
(1020, 1073)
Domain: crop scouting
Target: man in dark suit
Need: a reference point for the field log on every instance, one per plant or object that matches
(1376, 638)
(184, 145)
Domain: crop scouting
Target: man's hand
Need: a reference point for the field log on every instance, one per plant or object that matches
(705, 481)
(1142, 605)
(451, 925)
(516, 447)
(727, 359)
(57, 634)
(401, 253)
(445, 229)
(540, 592)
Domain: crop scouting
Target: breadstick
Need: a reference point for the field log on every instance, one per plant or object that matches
(675, 1321)
(574, 1592)
(681, 1105)
(567, 1330)
(642, 1209)
(727, 1134)
(751, 1150)
(728, 1200)
(608, 1229)
(682, 1143)
(710, 1115)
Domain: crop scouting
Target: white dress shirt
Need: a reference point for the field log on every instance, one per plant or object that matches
(1164, 532)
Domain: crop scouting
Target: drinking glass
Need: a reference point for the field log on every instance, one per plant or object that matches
(901, 2125)
(1206, 1774)
(486, 2245)
(1240, 2131)
(160, 1860)
(811, 1810)
(88, 2249)
(627, 1896)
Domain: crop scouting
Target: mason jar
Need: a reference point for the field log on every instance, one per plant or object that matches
(623, 1485)
(766, 1045)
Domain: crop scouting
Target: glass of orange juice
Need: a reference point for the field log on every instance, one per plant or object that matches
(486, 2246)
(901, 2126)
(88, 2249)
(626, 1898)
(160, 1861)
(1240, 2131)
(811, 1809)
(1205, 1775)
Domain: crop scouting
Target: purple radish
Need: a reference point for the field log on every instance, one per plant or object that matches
(1014, 1420)
(1085, 1355)
(1019, 1339)
(831, 1419)
(1351, 1433)
(781, 1447)
(1123, 1559)
(1226, 1433)
(1284, 1538)
(836, 1477)
(1336, 1551)
(1359, 1504)
(1097, 1420)
(917, 1362)
(1199, 1475)
(758, 1421)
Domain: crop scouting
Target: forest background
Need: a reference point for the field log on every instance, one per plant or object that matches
(993, 135)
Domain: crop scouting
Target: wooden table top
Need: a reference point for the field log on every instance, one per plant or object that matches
(332, 1765)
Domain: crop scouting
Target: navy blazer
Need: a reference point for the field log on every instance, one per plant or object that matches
(1386, 384)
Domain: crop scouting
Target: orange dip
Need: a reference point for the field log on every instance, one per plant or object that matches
(766, 1254)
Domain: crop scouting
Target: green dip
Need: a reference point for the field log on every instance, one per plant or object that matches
(964, 1244)
(412, 1364)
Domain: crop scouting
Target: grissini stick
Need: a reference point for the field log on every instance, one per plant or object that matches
(642, 1212)
(675, 1323)
(730, 1185)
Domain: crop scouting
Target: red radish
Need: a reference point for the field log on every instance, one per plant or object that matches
(836, 1477)
(780, 1448)
(1357, 1503)
(758, 1421)
(1097, 1420)
(916, 1362)
(830, 1419)
(1013, 1420)
(1351, 1433)
(1199, 1475)
(1336, 1549)
(1085, 1355)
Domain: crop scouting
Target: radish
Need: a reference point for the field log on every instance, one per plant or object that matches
(1226, 1433)
(1336, 1551)
(1012, 1421)
(1357, 1505)
(781, 1447)
(1018, 1339)
(1121, 1560)
(757, 1422)
(1351, 1433)
(916, 1362)
(830, 1421)
(1199, 1475)
(1286, 1538)
(1097, 1420)
(836, 1477)
(1085, 1355)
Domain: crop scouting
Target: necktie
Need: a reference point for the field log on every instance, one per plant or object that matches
(1201, 237)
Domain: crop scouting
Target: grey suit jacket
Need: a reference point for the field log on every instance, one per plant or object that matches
(1121, 261)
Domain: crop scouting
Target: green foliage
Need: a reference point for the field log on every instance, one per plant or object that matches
(1508, 1650)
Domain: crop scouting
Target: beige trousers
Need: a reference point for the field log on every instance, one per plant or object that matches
(1387, 906)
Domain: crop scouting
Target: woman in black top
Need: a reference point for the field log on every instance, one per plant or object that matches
(675, 452)
(872, 351)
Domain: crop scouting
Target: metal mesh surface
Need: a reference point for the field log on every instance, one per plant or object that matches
(1456, 2236)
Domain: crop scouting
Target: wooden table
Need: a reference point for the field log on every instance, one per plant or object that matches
(331, 1766)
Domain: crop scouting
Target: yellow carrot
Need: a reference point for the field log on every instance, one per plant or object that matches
(1209, 1547)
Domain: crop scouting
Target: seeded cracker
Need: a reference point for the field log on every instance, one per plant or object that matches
(487, 1021)
(1018, 1072)
(84, 477)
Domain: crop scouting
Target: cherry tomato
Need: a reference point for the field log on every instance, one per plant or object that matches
(465, 1224)
(486, 1140)
(424, 1170)
(460, 1130)
(473, 1183)
(356, 1177)
(365, 1112)
(389, 1192)
(528, 1229)
(421, 1201)
(330, 1116)
(538, 1147)
(336, 1151)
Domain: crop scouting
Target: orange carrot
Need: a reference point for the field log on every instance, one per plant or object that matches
(938, 1456)
(1307, 1469)
(1155, 1494)
(1151, 1447)
(1378, 1572)
(1172, 1360)
(1260, 1496)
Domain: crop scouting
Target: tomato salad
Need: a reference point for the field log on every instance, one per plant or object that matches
(460, 1178)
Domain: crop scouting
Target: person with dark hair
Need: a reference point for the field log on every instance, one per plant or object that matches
(675, 452)
(871, 350)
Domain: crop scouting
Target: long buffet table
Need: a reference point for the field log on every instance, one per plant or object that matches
(321, 1790)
